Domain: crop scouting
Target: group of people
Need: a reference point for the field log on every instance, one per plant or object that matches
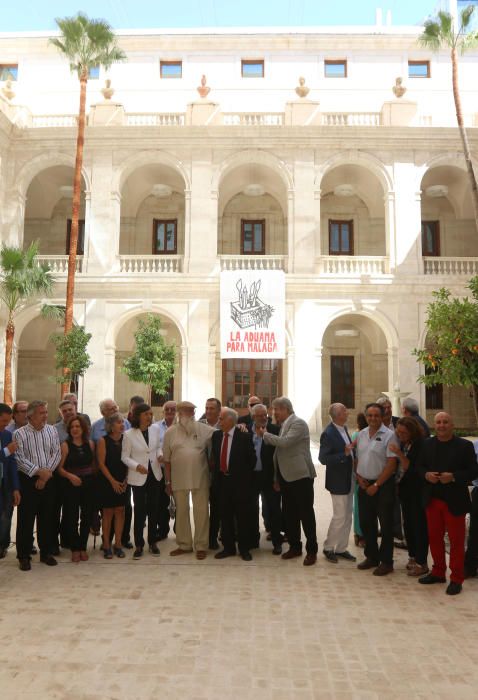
(391, 468)
(70, 476)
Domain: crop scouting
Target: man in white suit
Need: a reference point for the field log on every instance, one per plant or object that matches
(294, 475)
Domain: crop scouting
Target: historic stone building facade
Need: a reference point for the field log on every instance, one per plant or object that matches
(357, 191)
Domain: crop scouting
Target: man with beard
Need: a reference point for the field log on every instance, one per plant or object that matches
(185, 449)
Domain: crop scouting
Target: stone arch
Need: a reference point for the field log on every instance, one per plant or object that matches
(383, 322)
(116, 323)
(366, 160)
(132, 163)
(42, 162)
(252, 156)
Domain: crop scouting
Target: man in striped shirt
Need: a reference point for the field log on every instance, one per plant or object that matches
(37, 456)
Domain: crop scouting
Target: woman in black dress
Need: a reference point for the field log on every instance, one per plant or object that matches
(77, 467)
(113, 484)
(411, 436)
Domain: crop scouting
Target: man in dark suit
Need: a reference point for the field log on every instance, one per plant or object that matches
(9, 482)
(263, 480)
(447, 464)
(336, 452)
(233, 459)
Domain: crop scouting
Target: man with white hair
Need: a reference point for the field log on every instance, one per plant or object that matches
(336, 453)
(294, 475)
(185, 449)
(107, 408)
(410, 408)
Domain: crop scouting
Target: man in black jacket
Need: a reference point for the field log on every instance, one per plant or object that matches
(233, 459)
(336, 452)
(447, 464)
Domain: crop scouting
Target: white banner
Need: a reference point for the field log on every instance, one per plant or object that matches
(252, 313)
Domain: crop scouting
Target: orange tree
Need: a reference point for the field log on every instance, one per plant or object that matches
(451, 353)
(86, 43)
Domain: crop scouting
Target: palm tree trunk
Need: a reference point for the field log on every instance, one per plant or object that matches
(75, 215)
(463, 134)
(7, 383)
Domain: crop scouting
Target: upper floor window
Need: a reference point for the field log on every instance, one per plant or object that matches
(80, 245)
(335, 69)
(253, 234)
(431, 238)
(341, 237)
(418, 69)
(171, 69)
(165, 238)
(94, 73)
(252, 69)
(8, 71)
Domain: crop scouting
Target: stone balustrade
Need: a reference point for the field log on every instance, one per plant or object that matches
(58, 264)
(450, 266)
(351, 119)
(253, 262)
(353, 265)
(134, 264)
(155, 119)
(53, 120)
(253, 119)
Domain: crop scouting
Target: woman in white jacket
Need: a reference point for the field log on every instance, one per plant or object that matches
(141, 449)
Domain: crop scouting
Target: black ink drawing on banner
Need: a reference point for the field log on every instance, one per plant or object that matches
(249, 310)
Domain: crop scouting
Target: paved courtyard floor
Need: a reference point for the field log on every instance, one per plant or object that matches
(180, 629)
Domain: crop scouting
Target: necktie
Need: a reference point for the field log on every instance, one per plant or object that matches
(347, 433)
(223, 463)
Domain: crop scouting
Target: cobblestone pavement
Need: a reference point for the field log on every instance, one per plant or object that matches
(177, 628)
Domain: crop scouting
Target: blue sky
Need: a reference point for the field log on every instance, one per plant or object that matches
(125, 14)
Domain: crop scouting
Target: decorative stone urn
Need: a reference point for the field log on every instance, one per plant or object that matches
(302, 90)
(203, 89)
(107, 91)
(398, 89)
(7, 90)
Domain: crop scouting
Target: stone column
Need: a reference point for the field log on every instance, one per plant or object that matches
(13, 217)
(197, 381)
(203, 213)
(104, 217)
(302, 214)
(187, 229)
(99, 379)
(407, 220)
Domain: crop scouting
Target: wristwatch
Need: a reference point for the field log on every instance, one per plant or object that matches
(377, 485)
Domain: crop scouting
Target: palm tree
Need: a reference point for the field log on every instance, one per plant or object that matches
(86, 43)
(441, 32)
(22, 278)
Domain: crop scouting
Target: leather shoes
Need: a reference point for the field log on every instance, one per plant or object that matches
(292, 554)
(49, 560)
(246, 556)
(277, 550)
(127, 545)
(154, 550)
(224, 554)
(453, 588)
(331, 556)
(367, 564)
(310, 559)
(24, 564)
(383, 569)
(346, 555)
(431, 578)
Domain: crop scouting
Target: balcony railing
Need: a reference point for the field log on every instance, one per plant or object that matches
(450, 266)
(59, 263)
(351, 119)
(353, 265)
(54, 120)
(253, 119)
(134, 264)
(253, 262)
(148, 119)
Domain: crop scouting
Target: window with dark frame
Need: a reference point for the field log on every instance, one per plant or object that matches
(242, 378)
(418, 69)
(335, 69)
(8, 71)
(253, 235)
(252, 69)
(158, 400)
(171, 69)
(433, 394)
(165, 236)
(431, 238)
(80, 246)
(341, 237)
(342, 380)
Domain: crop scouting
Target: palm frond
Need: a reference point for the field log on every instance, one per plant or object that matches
(466, 15)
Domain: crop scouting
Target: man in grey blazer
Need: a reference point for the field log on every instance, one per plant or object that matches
(294, 476)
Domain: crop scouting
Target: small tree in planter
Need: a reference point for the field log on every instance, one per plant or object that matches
(153, 360)
(451, 354)
(71, 357)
